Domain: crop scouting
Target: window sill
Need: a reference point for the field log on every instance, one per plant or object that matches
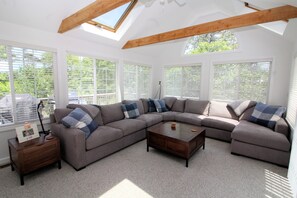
(7, 128)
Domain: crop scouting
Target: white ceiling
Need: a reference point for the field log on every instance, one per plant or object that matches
(142, 21)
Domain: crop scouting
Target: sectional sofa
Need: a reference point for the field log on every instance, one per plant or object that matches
(221, 122)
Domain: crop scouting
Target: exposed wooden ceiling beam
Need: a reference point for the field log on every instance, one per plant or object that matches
(264, 16)
(92, 11)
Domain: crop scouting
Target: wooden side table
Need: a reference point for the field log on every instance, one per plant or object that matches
(29, 156)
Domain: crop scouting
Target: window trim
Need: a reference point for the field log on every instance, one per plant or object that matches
(211, 76)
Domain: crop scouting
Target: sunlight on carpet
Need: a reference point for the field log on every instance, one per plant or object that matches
(277, 186)
(125, 189)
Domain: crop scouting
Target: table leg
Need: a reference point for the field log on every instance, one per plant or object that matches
(22, 179)
(59, 164)
(147, 148)
(203, 146)
(187, 163)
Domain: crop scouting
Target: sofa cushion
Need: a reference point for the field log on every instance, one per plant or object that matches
(151, 118)
(151, 105)
(138, 103)
(247, 114)
(197, 106)
(240, 106)
(169, 115)
(179, 106)
(111, 113)
(251, 133)
(144, 104)
(60, 113)
(103, 135)
(220, 109)
(169, 101)
(160, 105)
(226, 124)
(128, 126)
(130, 110)
(190, 118)
(266, 115)
(80, 120)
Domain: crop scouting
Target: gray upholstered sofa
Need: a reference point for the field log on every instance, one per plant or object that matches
(115, 132)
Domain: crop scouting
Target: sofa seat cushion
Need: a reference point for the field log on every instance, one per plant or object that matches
(220, 123)
(190, 118)
(169, 115)
(128, 126)
(259, 135)
(150, 118)
(103, 135)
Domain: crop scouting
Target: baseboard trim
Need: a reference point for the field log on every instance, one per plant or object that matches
(4, 161)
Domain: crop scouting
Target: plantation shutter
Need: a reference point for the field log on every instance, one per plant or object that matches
(33, 81)
(292, 101)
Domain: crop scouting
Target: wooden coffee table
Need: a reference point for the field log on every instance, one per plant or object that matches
(183, 141)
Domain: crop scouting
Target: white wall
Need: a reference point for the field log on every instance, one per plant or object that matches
(254, 44)
(11, 33)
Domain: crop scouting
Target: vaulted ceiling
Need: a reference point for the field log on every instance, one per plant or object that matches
(142, 21)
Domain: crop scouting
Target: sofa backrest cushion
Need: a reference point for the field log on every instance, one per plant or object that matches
(92, 110)
(220, 109)
(179, 106)
(169, 101)
(138, 103)
(197, 106)
(144, 104)
(60, 113)
(160, 105)
(111, 113)
(240, 106)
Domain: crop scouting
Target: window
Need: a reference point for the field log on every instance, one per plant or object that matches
(211, 42)
(91, 81)
(137, 81)
(26, 77)
(182, 81)
(241, 81)
(113, 19)
(292, 101)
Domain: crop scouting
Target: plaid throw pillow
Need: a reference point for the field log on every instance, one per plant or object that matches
(81, 120)
(160, 105)
(130, 110)
(267, 115)
(151, 105)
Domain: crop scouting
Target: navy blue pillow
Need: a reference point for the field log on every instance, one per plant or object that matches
(151, 105)
(130, 110)
(266, 115)
(81, 120)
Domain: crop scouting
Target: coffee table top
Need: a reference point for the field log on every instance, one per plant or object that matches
(181, 132)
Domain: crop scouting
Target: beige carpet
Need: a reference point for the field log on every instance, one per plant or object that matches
(133, 172)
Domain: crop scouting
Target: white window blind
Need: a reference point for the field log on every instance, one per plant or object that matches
(91, 81)
(182, 81)
(241, 81)
(292, 101)
(137, 81)
(29, 79)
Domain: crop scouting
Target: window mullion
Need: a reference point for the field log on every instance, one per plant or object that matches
(11, 82)
(95, 81)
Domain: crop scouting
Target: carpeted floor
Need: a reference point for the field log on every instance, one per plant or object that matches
(133, 172)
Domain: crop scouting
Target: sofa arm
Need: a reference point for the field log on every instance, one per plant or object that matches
(282, 127)
(73, 144)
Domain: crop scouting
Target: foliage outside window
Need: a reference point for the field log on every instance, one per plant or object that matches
(137, 81)
(26, 77)
(211, 42)
(182, 81)
(91, 81)
(241, 81)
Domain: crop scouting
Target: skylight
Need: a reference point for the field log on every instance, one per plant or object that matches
(113, 19)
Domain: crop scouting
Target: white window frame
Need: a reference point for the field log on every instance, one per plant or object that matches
(291, 116)
(182, 89)
(211, 78)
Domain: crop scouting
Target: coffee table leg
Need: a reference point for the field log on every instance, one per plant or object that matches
(147, 148)
(203, 146)
(187, 163)
(22, 179)
(59, 164)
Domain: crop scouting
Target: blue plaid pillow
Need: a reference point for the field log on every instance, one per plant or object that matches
(151, 105)
(160, 105)
(267, 115)
(130, 110)
(80, 120)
